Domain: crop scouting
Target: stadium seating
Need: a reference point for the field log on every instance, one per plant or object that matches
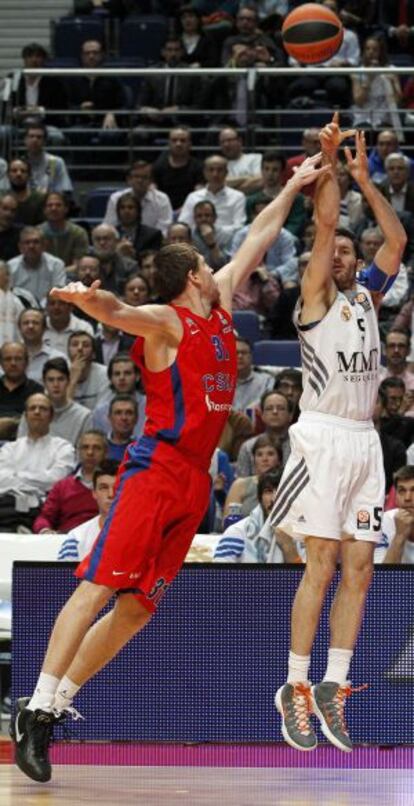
(96, 201)
(70, 32)
(247, 324)
(143, 36)
(277, 353)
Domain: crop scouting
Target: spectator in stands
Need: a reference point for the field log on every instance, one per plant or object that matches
(396, 186)
(15, 387)
(393, 449)
(281, 258)
(87, 269)
(397, 348)
(266, 456)
(273, 167)
(9, 231)
(243, 170)
(123, 416)
(109, 342)
(35, 269)
(114, 268)
(310, 147)
(251, 384)
(10, 307)
(397, 22)
(289, 383)
(40, 95)
(222, 477)
(61, 323)
(88, 379)
(80, 540)
(210, 240)
(30, 465)
(179, 233)
(260, 293)
(71, 500)
(376, 97)
(4, 182)
(70, 419)
(387, 143)
(276, 412)
(161, 97)
(238, 428)
(95, 93)
(47, 171)
(351, 209)
(242, 543)
(32, 325)
(199, 50)
(30, 202)
(393, 421)
(397, 543)
(132, 232)
(176, 171)
(124, 379)
(247, 33)
(228, 202)
(371, 239)
(156, 210)
(62, 238)
(136, 290)
(148, 270)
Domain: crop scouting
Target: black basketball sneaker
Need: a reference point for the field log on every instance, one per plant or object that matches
(31, 732)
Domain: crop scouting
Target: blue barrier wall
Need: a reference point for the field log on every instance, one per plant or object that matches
(207, 666)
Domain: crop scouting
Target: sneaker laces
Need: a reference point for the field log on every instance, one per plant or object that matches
(302, 707)
(68, 710)
(338, 702)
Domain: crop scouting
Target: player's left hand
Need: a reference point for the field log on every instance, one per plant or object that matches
(358, 165)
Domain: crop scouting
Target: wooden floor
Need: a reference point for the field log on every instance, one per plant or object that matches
(185, 786)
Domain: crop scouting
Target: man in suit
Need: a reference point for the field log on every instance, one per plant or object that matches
(162, 96)
(397, 187)
(35, 93)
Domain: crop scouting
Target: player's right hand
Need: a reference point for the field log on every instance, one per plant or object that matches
(404, 522)
(76, 292)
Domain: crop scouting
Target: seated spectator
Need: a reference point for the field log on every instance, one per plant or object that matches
(61, 322)
(36, 96)
(243, 170)
(241, 542)
(9, 231)
(71, 500)
(15, 387)
(351, 210)
(136, 291)
(80, 539)
(209, 239)
(30, 202)
(266, 456)
(397, 22)
(273, 167)
(32, 325)
(199, 50)
(10, 307)
(95, 93)
(70, 419)
(310, 147)
(4, 182)
(147, 269)
(113, 267)
(123, 375)
(251, 384)
(179, 233)
(396, 185)
(237, 429)
(276, 412)
(393, 450)
(176, 172)
(62, 238)
(259, 293)
(86, 269)
(247, 33)
(30, 465)
(47, 171)
(371, 240)
(35, 269)
(88, 379)
(229, 203)
(397, 542)
(376, 97)
(397, 348)
(387, 143)
(222, 476)
(156, 210)
(161, 97)
(280, 259)
(289, 383)
(131, 231)
(123, 416)
(393, 422)
(109, 342)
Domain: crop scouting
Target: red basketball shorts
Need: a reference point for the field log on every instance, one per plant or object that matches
(160, 501)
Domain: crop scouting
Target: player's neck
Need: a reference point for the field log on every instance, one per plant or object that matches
(192, 300)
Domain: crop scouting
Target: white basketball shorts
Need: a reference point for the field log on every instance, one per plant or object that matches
(333, 484)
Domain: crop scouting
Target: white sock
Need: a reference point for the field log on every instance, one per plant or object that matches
(339, 661)
(44, 693)
(298, 668)
(65, 693)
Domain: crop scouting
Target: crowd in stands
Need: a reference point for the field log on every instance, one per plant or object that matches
(70, 396)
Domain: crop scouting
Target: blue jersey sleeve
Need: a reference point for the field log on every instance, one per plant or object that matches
(374, 279)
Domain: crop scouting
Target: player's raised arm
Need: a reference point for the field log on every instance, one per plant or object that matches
(105, 307)
(389, 255)
(264, 229)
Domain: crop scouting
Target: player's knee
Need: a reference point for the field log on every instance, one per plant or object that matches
(321, 566)
(132, 612)
(358, 576)
(90, 598)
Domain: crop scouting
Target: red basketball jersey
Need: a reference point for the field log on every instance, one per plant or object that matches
(189, 402)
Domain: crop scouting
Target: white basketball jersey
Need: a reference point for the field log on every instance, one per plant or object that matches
(341, 358)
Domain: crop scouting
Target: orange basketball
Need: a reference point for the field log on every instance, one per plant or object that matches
(312, 33)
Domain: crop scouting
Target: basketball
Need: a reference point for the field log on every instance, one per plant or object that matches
(312, 33)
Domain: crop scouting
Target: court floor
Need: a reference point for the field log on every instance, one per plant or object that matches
(177, 786)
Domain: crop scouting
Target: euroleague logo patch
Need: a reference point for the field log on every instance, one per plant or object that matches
(363, 519)
(346, 314)
(363, 300)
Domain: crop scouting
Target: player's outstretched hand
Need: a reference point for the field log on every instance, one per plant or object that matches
(358, 166)
(76, 292)
(308, 171)
(331, 136)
